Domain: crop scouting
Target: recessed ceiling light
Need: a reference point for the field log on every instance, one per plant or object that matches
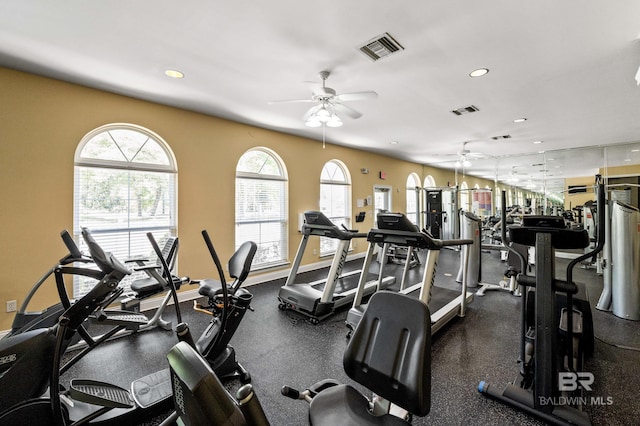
(479, 72)
(394, 142)
(174, 74)
(537, 142)
(520, 120)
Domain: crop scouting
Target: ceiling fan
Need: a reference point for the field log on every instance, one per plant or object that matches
(464, 156)
(328, 104)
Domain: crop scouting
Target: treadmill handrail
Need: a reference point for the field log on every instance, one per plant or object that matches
(331, 232)
(413, 239)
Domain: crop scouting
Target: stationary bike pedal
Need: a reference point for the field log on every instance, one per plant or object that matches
(100, 393)
(577, 321)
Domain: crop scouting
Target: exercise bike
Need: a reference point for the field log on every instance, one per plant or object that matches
(556, 327)
(389, 354)
(227, 313)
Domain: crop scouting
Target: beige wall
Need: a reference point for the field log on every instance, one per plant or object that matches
(43, 120)
(578, 199)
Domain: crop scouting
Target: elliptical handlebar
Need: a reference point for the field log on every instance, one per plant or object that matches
(74, 251)
(225, 290)
(166, 272)
(106, 261)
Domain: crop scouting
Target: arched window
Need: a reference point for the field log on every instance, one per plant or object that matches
(335, 200)
(125, 186)
(429, 182)
(261, 205)
(413, 197)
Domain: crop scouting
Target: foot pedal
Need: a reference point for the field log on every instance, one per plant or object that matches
(151, 389)
(123, 318)
(100, 393)
(577, 321)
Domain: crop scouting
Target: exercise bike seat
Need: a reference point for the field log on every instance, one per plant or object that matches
(239, 267)
(345, 406)
(389, 354)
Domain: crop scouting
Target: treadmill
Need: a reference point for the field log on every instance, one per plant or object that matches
(444, 304)
(320, 299)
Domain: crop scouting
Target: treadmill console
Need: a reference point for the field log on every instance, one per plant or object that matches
(317, 218)
(396, 222)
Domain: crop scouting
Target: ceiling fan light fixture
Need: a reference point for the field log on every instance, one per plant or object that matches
(334, 121)
(466, 163)
(322, 114)
(313, 122)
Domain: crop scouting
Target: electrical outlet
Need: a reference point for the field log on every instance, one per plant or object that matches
(12, 305)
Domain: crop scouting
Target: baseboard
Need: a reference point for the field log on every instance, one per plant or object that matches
(192, 294)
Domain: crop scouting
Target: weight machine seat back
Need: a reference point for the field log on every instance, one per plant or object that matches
(390, 354)
(239, 268)
(148, 286)
(198, 396)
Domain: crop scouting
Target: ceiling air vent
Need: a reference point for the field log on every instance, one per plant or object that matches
(466, 110)
(380, 47)
(497, 138)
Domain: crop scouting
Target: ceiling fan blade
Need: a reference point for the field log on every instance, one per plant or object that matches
(290, 101)
(346, 110)
(357, 96)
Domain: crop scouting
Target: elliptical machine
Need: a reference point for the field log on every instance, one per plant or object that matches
(121, 320)
(557, 330)
(37, 356)
(32, 358)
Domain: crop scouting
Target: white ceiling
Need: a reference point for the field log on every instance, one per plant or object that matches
(567, 66)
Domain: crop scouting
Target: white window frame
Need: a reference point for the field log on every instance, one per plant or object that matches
(328, 246)
(283, 220)
(121, 246)
(413, 198)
